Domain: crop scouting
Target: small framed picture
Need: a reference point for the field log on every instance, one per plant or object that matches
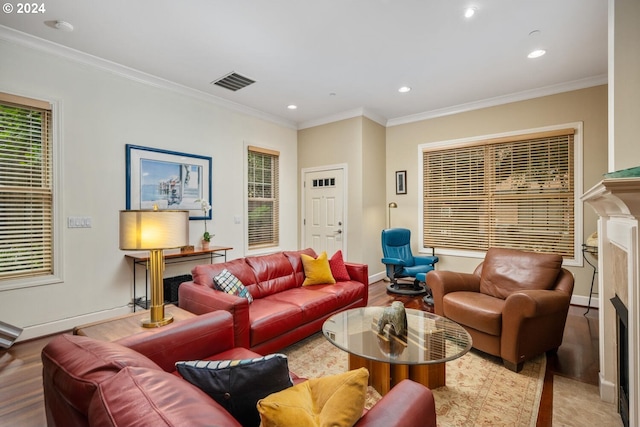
(401, 182)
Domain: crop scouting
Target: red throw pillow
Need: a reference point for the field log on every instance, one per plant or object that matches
(338, 269)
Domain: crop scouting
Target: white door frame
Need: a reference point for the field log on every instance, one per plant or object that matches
(303, 201)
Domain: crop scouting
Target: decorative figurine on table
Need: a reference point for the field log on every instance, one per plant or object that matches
(396, 316)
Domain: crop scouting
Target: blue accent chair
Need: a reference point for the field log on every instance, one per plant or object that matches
(400, 262)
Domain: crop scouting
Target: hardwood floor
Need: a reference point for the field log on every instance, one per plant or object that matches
(21, 398)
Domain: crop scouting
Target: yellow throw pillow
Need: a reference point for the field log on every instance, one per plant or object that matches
(316, 270)
(331, 401)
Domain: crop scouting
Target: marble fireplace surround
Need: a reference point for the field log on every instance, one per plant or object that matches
(617, 202)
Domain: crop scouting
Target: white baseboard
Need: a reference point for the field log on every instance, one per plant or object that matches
(607, 390)
(584, 301)
(377, 277)
(68, 324)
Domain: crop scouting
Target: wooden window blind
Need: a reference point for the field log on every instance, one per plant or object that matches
(26, 188)
(262, 196)
(515, 192)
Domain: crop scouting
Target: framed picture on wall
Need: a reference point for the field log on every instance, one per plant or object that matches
(168, 179)
(401, 182)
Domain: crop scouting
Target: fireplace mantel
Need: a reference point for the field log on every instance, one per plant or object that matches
(617, 202)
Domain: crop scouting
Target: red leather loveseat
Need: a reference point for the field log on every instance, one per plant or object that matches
(133, 381)
(283, 311)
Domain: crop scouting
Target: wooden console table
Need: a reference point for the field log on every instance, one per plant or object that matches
(171, 256)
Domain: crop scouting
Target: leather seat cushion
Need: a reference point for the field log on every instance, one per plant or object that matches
(78, 364)
(478, 311)
(143, 397)
(345, 292)
(505, 271)
(314, 304)
(270, 318)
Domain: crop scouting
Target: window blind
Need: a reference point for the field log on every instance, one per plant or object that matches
(26, 190)
(515, 192)
(263, 197)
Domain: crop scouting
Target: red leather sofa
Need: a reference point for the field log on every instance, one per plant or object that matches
(283, 311)
(133, 381)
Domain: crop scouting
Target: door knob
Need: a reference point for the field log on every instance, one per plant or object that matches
(339, 231)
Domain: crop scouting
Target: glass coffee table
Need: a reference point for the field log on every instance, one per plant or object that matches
(420, 354)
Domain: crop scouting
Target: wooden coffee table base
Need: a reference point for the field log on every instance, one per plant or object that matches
(383, 376)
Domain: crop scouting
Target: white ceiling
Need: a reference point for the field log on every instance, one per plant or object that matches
(336, 58)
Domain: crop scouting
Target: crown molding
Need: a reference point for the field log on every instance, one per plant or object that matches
(500, 100)
(26, 40)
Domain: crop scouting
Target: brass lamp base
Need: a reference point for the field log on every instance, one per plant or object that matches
(157, 317)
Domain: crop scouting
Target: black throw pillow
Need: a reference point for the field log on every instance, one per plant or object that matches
(237, 385)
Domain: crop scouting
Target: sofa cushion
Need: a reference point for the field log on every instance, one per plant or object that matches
(505, 271)
(296, 262)
(313, 303)
(476, 310)
(270, 318)
(237, 385)
(227, 282)
(140, 397)
(273, 272)
(77, 364)
(338, 269)
(345, 292)
(203, 274)
(316, 270)
(335, 400)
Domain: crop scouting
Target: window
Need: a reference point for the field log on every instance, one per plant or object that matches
(26, 189)
(262, 194)
(511, 192)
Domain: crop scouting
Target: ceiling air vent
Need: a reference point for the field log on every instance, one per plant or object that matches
(233, 81)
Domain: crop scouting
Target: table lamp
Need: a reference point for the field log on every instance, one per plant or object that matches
(154, 230)
(391, 205)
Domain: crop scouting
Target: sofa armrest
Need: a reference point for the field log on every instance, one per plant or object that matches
(393, 261)
(425, 260)
(191, 339)
(200, 299)
(441, 282)
(407, 404)
(359, 273)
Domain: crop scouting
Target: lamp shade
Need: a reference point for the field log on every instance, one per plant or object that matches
(153, 229)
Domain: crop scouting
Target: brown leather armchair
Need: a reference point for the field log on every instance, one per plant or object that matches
(514, 305)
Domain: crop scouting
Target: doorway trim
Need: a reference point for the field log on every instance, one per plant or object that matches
(345, 190)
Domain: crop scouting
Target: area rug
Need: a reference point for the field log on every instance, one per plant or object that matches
(576, 404)
(480, 391)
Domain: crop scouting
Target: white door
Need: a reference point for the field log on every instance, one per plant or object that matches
(324, 225)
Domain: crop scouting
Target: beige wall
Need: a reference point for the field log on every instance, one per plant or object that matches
(374, 196)
(587, 105)
(624, 75)
(359, 143)
(98, 112)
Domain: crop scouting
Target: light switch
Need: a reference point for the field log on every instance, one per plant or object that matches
(79, 222)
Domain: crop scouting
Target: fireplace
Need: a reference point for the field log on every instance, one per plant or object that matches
(617, 203)
(622, 317)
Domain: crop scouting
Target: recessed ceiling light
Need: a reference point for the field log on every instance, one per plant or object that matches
(469, 12)
(404, 89)
(536, 53)
(292, 107)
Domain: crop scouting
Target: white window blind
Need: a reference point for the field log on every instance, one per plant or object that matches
(515, 192)
(26, 190)
(262, 195)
